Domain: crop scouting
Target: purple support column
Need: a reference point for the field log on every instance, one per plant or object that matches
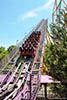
(30, 86)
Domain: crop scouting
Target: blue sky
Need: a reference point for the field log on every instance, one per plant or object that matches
(18, 17)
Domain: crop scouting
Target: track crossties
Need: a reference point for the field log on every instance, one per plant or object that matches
(30, 45)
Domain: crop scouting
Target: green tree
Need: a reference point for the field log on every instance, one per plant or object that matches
(57, 57)
(11, 48)
(3, 53)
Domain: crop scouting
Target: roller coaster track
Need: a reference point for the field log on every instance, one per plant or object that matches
(25, 82)
(17, 50)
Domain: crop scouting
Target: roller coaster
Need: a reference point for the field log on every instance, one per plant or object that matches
(22, 81)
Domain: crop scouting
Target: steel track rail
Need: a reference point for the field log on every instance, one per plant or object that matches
(15, 91)
(11, 77)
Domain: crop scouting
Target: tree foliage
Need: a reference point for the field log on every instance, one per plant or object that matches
(11, 48)
(56, 59)
(3, 53)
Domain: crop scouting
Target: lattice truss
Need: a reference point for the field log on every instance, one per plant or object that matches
(59, 6)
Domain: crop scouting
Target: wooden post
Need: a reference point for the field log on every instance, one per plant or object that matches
(45, 89)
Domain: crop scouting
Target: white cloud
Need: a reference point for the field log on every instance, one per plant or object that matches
(29, 15)
(34, 12)
(45, 6)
